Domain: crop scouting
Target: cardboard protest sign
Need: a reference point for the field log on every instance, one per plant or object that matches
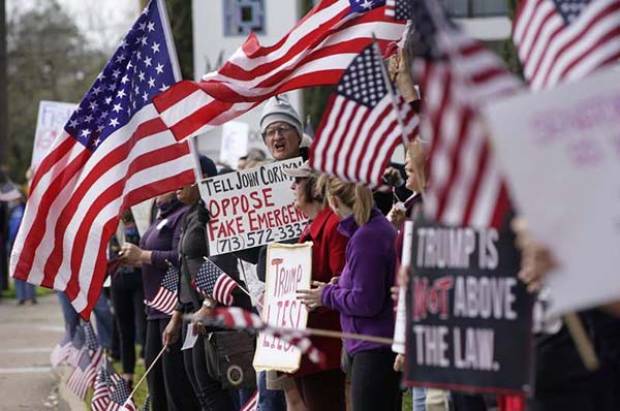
(569, 190)
(52, 117)
(234, 142)
(251, 208)
(469, 317)
(289, 268)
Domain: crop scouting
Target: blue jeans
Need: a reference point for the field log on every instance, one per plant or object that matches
(269, 400)
(103, 317)
(24, 291)
(418, 396)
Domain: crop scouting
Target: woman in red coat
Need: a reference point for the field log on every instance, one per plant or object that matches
(321, 389)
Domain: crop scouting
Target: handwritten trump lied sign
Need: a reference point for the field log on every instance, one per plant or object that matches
(560, 151)
(289, 268)
(251, 208)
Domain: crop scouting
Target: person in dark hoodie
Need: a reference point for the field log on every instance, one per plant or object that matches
(169, 387)
(193, 248)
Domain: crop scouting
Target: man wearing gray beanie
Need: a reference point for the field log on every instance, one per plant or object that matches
(281, 128)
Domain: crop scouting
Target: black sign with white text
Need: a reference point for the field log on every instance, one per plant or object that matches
(469, 318)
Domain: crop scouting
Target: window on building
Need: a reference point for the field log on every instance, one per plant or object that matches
(244, 16)
(476, 8)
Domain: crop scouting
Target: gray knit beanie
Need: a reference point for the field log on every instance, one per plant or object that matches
(278, 108)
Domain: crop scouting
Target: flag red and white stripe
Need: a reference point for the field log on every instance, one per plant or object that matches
(458, 75)
(101, 394)
(314, 52)
(360, 128)
(251, 404)
(92, 174)
(559, 40)
(84, 374)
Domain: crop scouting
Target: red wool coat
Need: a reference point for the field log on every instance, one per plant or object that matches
(327, 261)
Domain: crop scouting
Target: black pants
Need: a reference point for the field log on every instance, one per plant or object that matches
(128, 303)
(322, 391)
(210, 394)
(169, 387)
(374, 383)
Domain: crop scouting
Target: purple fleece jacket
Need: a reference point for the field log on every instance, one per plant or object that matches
(362, 295)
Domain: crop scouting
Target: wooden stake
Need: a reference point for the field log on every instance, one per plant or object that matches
(582, 341)
(135, 388)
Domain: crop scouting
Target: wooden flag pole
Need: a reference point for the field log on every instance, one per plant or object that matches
(391, 92)
(582, 341)
(135, 388)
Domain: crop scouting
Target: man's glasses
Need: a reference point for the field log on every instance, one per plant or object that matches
(271, 132)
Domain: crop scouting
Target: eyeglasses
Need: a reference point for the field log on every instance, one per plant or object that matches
(271, 132)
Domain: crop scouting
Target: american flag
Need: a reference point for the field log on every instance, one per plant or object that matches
(240, 319)
(211, 280)
(360, 128)
(115, 152)
(399, 9)
(90, 358)
(251, 404)
(147, 404)
(560, 40)
(103, 382)
(120, 395)
(166, 298)
(314, 52)
(457, 76)
(61, 351)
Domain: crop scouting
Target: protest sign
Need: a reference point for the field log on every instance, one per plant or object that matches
(569, 190)
(234, 142)
(289, 268)
(52, 117)
(251, 208)
(469, 317)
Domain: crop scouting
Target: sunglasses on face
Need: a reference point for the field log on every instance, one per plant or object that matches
(282, 130)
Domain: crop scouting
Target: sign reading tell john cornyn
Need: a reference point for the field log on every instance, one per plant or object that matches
(251, 208)
(469, 317)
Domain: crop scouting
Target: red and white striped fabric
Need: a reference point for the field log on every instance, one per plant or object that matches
(115, 152)
(251, 404)
(560, 40)
(314, 52)
(166, 298)
(360, 128)
(458, 75)
(101, 394)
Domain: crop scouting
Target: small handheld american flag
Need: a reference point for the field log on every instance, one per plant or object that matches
(62, 350)
(103, 382)
(399, 9)
(212, 281)
(90, 357)
(120, 395)
(166, 298)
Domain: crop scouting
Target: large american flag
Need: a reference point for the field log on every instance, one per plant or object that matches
(115, 152)
(166, 298)
(212, 281)
(90, 358)
(457, 76)
(561, 40)
(360, 128)
(314, 52)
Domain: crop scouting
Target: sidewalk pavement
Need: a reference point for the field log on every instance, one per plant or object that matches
(27, 334)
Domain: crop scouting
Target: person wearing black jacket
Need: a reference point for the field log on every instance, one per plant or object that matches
(193, 247)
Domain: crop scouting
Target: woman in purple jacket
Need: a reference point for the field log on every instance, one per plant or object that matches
(169, 386)
(362, 295)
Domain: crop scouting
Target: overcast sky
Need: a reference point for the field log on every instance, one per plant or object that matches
(104, 22)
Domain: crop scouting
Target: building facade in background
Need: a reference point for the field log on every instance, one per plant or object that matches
(220, 28)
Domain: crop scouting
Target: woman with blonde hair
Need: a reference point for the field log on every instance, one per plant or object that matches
(362, 295)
